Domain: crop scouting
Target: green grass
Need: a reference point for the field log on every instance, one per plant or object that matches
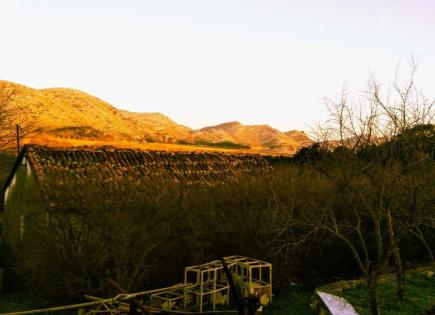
(419, 297)
(291, 301)
(16, 301)
(25, 301)
(419, 293)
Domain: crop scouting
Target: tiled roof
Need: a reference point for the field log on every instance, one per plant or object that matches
(114, 164)
(62, 169)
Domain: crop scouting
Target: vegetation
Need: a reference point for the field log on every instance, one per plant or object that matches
(7, 160)
(377, 190)
(359, 203)
(229, 144)
(67, 117)
(55, 141)
(140, 239)
(420, 293)
(24, 300)
(291, 301)
(222, 144)
(14, 116)
(16, 301)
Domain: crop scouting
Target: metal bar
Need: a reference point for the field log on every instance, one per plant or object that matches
(236, 293)
(201, 291)
(214, 290)
(122, 290)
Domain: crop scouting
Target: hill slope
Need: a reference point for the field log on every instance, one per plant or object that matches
(71, 114)
(72, 111)
(255, 136)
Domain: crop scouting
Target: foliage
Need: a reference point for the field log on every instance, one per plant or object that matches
(223, 144)
(359, 202)
(16, 301)
(13, 114)
(7, 256)
(376, 153)
(7, 160)
(145, 240)
(75, 248)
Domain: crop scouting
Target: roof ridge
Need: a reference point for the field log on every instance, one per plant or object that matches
(104, 148)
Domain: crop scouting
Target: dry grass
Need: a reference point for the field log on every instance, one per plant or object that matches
(56, 142)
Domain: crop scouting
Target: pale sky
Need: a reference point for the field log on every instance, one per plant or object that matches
(204, 62)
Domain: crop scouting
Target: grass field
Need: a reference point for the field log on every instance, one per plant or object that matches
(16, 302)
(290, 301)
(419, 293)
(419, 296)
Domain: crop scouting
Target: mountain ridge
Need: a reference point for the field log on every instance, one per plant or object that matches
(70, 113)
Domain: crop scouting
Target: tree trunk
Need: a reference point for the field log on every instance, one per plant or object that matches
(372, 283)
(420, 236)
(400, 276)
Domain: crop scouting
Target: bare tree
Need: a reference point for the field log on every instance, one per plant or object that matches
(374, 164)
(14, 116)
(91, 232)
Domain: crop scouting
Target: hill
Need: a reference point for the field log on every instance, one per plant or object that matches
(255, 136)
(63, 115)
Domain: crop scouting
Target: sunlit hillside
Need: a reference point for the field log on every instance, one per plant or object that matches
(59, 142)
(69, 117)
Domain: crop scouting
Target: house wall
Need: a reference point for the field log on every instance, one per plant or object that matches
(23, 209)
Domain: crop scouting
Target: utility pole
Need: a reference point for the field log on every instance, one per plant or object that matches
(18, 139)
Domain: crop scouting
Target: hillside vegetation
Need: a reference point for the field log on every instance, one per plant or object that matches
(359, 204)
(67, 114)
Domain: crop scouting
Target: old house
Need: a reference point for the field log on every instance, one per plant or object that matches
(26, 195)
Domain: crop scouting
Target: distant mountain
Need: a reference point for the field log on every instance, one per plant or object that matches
(300, 137)
(255, 136)
(72, 114)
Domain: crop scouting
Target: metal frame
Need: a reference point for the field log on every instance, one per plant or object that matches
(255, 276)
(167, 300)
(210, 280)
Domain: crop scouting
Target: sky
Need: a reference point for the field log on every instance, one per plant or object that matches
(204, 62)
